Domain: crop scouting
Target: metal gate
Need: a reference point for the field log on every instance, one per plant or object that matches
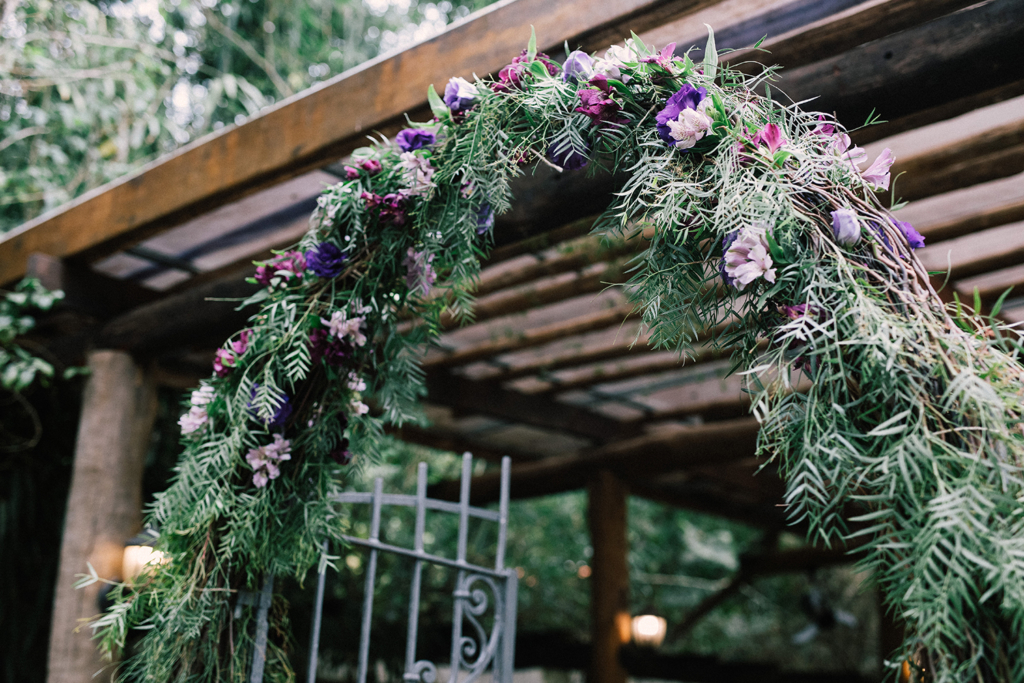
(474, 647)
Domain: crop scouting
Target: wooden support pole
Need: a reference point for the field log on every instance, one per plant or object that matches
(609, 588)
(104, 505)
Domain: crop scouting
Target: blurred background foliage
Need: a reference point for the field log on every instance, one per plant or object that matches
(92, 90)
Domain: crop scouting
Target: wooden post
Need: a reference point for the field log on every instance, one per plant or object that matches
(104, 505)
(609, 588)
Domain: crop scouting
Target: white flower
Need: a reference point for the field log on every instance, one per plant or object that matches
(359, 408)
(203, 396)
(355, 382)
(191, 421)
(747, 258)
(689, 127)
(418, 173)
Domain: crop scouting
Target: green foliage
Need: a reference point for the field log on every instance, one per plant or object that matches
(19, 368)
(892, 423)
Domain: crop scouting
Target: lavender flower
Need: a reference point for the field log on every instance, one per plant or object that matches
(665, 59)
(747, 258)
(913, 237)
(264, 460)
(371, 166)
(460, 95)
(391, 206)
(329, 348)
(417, 173)
(326, 261)
(193, 420)
(341, 326)
(419, 275)
(727, 242)
(877, 174)
(846, 227)
(680, 123)
(579, 66)
(511, 76)
(351, 173)
(599, 107)
(414, 138)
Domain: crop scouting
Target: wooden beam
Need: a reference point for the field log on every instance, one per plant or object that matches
(85, 291)
(316, 127)
(976, 253)
(912, 70)
(967, 210)
(609, 582)
(670, 449)
(764, 515)
(186, 320)
(104, 505)
(490, 398)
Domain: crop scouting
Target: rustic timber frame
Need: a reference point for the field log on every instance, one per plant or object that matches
(494, 393)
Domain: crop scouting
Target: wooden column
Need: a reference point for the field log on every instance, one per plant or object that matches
(609, 588)
(104, 504)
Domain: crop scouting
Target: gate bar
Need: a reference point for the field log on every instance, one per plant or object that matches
(371, 574)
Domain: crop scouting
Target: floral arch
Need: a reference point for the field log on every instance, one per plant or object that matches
(897, 423)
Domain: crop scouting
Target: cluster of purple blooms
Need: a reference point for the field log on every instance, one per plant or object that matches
(281, 269)
(225, 359)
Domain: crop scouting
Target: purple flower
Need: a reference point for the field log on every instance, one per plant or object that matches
(567, 158)
(240, 345)
(331, 349)
(877, 174)
(264, 460)
(824, 127)
(747, 257)
(414, 138)
(511, 76)
(371, 166)
(600, 108)
(771, 135)
(579, 66)
(794, 312)
(460, 95)
(419, 273)
(663, 59)
(687, 97)
(391, 206)
(326, 260)
(280, 416)
(351, 173)
(846, 227)
(484, 219)
(913, 237)
(284, 267)
(223, 361)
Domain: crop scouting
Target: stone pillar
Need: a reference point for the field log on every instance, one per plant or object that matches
(609, 587)
(104, 505)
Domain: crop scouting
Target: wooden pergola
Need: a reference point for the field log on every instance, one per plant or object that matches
(555, 371)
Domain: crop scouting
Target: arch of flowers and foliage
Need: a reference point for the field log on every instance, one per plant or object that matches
(764, 225)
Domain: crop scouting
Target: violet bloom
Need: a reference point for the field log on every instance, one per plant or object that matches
(371, 166)
(326, 261)
(913, 237)
(419, 273)
(747, 258)
(727, 242)
(391, 206)
(265, 459)
(280, 416)
(414, 138)
(567, 158)
(794, 312)
(351, 173)
(484, 219)
(282, 267)
(599, 107)
(511, 76)
(877, 174)
(824, 127)
(331, 349)
(460, 95)
(579, 66)
(846, 227)
(675, 125)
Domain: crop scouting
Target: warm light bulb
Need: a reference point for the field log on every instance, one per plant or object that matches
(649, 630)
(137, 559)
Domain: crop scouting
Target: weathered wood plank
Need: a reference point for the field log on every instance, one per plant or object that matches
(609, 582)
(670, 449)
(976, 253)
(971, 209)
(315, 127)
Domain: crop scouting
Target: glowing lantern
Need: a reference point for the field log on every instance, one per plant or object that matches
(649, 630)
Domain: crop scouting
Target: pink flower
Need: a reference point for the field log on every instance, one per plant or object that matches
(203, 396)
(340, 326)
(771, 135)
(281, 268)
(823, 127)
(240, 345)
(877, 174)
(223, 361)
(747, 258)
(843, 147)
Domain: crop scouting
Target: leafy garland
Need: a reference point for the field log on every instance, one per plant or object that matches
(895, 425)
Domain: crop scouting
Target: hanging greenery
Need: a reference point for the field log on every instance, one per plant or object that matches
(896, 425)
